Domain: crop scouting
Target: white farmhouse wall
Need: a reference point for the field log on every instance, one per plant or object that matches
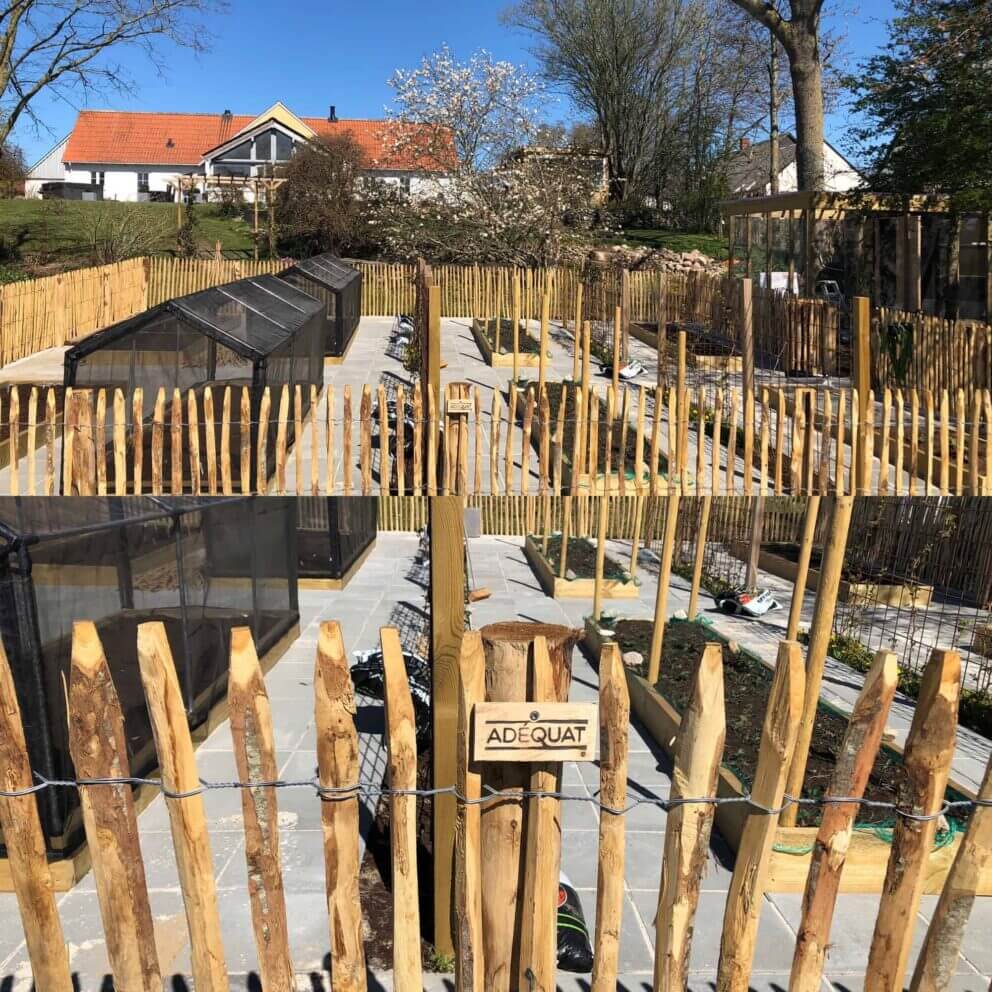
(120, 182)
(49, 168)
(420, 185)
(838, 175)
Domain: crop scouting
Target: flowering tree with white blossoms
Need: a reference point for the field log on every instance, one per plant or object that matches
(484, 108)
(509, 193)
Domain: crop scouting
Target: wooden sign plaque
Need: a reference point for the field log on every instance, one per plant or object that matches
(535, 731)
(457, 407)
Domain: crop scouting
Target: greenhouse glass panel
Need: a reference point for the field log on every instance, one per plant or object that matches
(255, 333)
(333, 533)
(121, 562)
(339, 287)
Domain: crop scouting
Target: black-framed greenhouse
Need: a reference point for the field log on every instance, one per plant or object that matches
(183, 561)
(260, 333)
(333, 533)
(339, 287)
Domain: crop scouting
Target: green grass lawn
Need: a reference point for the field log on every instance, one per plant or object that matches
(38, 231)
(709, 244)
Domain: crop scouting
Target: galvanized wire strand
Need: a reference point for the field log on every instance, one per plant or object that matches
(373, 790)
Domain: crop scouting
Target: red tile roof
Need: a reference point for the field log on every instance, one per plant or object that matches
(115, 137)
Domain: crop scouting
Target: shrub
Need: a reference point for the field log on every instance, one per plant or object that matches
(117, 231)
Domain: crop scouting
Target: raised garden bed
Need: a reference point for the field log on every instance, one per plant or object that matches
(484, 332)
(981, 642)
(617, 583)
(704, 353)
(783, 560)
(601, 484)
(747, 683)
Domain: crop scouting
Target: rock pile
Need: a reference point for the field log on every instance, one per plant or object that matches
(665, 260)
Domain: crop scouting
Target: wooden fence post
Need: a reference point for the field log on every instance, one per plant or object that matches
(597, 597)
(939, 955)
(469, 967)
(401, 740)
(746, 337)
(700, 555)
(542, 359)
(577, 340)
(433, 369)
(687, 830)
(337, 767)
(617, 344)
(99, 750)
(25, 845)
(927, 756)
(614, 723)
(664, 579)
(853, 767)
(507, 652)
(516, 331)
(747, 887)
(447, 567)
(861, 379)
(810, 516)
(819, 642)
(80, 451)
(174, 746)
(542, 849)
(255, 758)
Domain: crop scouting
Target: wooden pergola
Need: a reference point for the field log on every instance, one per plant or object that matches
(807, 209)
(257, 184)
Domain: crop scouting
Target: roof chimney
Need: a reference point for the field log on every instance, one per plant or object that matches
(227, 115)
(332, 115)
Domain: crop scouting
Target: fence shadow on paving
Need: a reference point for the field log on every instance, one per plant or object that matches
(488, 796)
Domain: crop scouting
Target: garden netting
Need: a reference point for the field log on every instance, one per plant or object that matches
(183, 561)
(339, 287)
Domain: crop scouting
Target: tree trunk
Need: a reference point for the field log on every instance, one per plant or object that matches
(807, 89)
(953, 297)
(773, 156)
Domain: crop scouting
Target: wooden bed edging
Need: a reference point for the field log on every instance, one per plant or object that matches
(559, 588)
(708, 363)
(525, 359)
(865, 593)
(868, 855)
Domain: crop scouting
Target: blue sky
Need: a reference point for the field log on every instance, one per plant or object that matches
(312, 53)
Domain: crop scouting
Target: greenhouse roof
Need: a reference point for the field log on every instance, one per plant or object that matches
(27, 521)
(253, 317)
(328, 270)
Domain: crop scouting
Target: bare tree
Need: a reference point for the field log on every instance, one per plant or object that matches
(618, 60)
(69, 45)
(799, 35)
(718, 99)
(113, 232)
(319, 206)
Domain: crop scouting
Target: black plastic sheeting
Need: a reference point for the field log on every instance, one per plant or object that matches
(339, 287)
(201, 567)
(254, 334)
(333, 532)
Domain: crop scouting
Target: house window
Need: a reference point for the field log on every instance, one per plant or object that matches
(96, 178)
(284, 147)
(142, 182)
(405, 185)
